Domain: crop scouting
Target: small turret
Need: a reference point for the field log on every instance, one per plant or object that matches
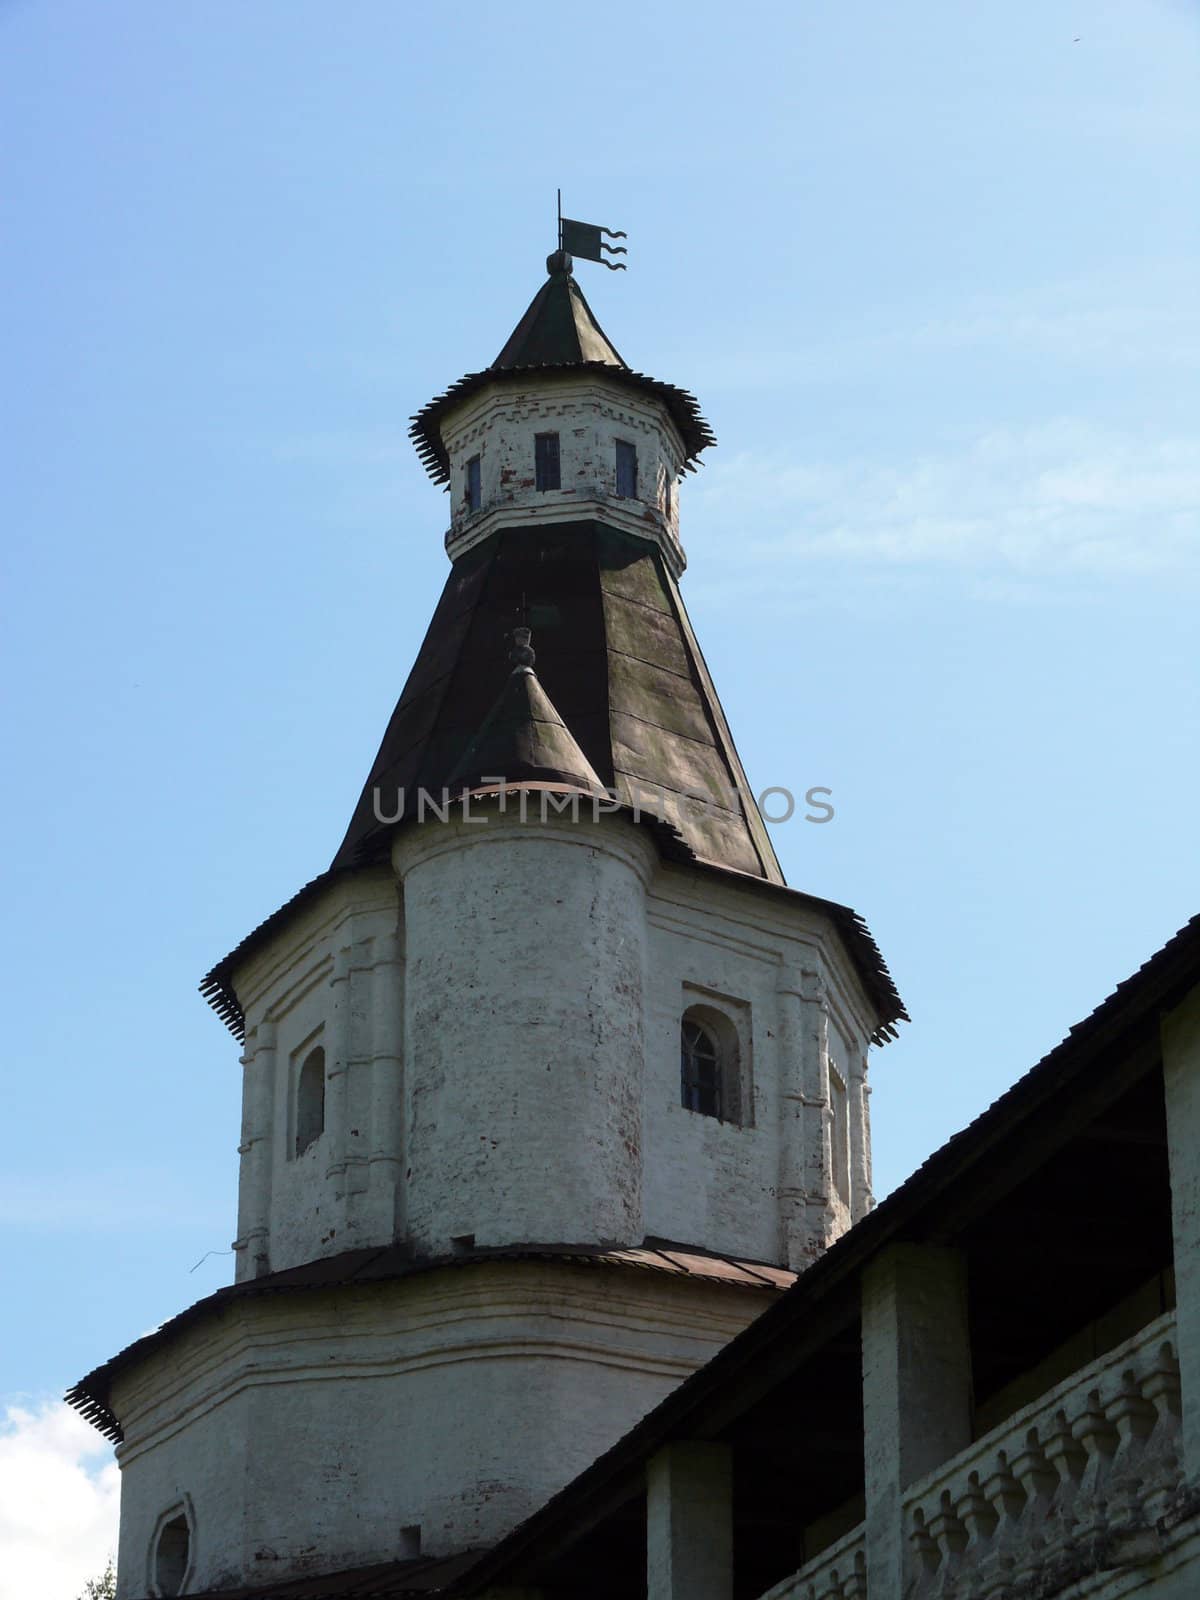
(560, 428)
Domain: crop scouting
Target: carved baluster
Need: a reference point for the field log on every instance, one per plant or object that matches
(1068, 1458)
(1133, 1417)
(925, 1552)
(1099, 1439)
(1038, 1480)
(951, 1538)
(1162, 1459)
(1007, 1499)
(978, 1518)
(855, 1585)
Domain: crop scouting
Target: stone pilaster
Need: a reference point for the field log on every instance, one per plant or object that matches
(252, 1247)
(793, 1130)
(337, 1058)
(814, 1058)
(916, 1390)
(387, 1086)
(357, 1097)
(689, 1522)
(858, 1092)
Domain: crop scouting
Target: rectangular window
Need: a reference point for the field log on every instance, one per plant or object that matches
(667, 488)
(471, 473)
(626, 470)
(545, 461)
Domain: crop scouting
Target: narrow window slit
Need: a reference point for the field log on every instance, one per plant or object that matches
(547, 471)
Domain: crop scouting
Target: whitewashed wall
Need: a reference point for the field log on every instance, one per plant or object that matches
(308, 1432)
(762, 1186)
(333, 977)
(501, 1032)
(589, 414)
(526, 961)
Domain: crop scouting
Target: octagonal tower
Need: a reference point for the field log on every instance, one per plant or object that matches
(550, 1084)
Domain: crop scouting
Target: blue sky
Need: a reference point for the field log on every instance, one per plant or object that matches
(932, 274)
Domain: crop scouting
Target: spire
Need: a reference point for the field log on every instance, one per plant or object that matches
(523, 739)
(558, 329)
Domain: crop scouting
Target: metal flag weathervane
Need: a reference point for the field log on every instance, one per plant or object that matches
(583, 239)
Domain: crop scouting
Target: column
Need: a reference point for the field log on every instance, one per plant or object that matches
(1181, 1079)
(689, 1522)
(255, 1149)
(916, 1390)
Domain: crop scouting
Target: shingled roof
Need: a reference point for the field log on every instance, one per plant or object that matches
(617, 657)
(523, 739)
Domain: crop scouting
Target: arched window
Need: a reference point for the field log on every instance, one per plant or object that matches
(172, 1555)
(710, 1063)
(700, 1066)
(310, 1100)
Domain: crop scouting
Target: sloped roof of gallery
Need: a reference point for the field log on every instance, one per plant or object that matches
(558, 333)
(523, 739)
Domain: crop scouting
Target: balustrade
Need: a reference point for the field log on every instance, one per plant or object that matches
(1097, 1459)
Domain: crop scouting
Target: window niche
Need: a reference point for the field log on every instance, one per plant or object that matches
(713, 1050)
(171, 1551)
(310, 1099)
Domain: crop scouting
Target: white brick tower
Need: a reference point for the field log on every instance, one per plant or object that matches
(550, 1083)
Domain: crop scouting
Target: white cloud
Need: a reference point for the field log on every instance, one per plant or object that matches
(58, 1502)
(1062, 500)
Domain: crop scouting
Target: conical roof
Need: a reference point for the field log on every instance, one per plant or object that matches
(558, 328)
(523, 739)
(557, 334)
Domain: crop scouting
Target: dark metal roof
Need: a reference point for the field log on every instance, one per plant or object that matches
(618, 660)
(558, 328)
(380, 1264)
(523, 740)
(558, 335)
(1019, 1131)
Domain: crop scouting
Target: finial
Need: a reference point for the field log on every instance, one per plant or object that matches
(521, 655)
(558, 261)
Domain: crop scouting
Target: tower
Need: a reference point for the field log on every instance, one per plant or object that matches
(550, 1083)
